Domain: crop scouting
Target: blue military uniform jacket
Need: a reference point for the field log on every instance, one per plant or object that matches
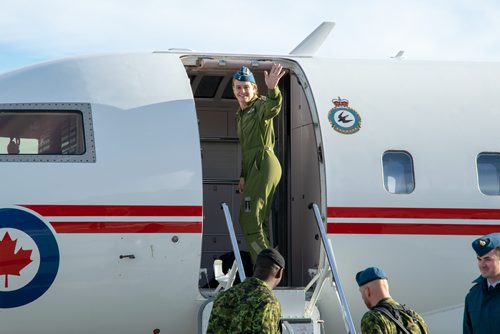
(482, 309)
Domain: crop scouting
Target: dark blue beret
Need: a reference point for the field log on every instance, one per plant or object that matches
(486, 244)
(274, 255)
(370, 274)
(244, 74)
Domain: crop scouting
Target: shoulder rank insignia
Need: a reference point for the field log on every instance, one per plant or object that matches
(343, 118)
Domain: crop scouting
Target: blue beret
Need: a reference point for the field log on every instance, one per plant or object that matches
(244, 74)
(486, 244)
(370, 274)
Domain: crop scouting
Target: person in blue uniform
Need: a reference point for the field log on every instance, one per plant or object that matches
(482, 303)
(260, 168)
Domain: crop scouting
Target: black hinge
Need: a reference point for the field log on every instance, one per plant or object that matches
(320, 154)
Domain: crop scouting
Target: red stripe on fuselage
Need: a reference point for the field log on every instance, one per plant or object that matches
(412, 228)
(153, 226)
(421, 213)
(115, 210)
(417, 228)
(127, 227)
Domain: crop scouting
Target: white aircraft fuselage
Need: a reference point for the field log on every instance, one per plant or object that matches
(124, 160)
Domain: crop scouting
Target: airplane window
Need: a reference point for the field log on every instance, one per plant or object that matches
(398, 172)
(228, 91)
(208, 86)
(41, 133)
(488, 171)
(46, 133)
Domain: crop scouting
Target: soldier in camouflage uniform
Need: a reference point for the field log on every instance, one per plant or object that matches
(386, 316)
(260, 168)
(251, 307)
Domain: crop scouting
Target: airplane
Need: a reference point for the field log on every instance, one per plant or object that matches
(114, 168)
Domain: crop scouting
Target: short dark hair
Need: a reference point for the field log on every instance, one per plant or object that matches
(265, 267)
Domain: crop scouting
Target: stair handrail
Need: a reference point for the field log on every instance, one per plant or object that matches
(333, 266)
(234, 242)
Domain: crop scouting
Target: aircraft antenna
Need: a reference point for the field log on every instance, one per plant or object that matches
(399, 55)
(310, 45)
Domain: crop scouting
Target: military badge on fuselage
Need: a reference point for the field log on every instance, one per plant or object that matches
(343, 118)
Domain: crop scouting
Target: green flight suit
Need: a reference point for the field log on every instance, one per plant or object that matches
(247, 308)
(260, 168)
(376, 322)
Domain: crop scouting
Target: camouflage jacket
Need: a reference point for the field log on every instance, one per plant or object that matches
(375, 322)
(247, 308)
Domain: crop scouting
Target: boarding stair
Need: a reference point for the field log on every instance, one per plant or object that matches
(299, 315)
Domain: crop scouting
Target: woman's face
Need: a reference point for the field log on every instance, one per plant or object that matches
(244, 91)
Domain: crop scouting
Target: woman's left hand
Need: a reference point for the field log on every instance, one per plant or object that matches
(273, 77)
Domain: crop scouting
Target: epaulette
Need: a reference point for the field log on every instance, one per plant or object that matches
(478, 282)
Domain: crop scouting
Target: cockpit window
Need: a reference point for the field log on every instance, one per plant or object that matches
(46, 132)
(488, 173)
(398, 172)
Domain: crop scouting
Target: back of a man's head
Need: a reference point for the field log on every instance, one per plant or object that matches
(268, 264)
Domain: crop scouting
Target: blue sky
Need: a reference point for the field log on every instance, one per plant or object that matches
(34, 31)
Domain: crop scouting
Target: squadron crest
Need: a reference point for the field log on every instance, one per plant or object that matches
(343, 118)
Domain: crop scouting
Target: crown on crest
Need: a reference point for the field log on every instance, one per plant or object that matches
(340, 102)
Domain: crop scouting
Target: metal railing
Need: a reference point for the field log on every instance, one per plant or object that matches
(234, 242)
(332, 266)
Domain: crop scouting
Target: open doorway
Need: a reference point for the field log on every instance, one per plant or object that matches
(294, 231)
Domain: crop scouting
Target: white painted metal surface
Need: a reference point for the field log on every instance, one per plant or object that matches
(443, 114)
(138, 103)
(148, 158)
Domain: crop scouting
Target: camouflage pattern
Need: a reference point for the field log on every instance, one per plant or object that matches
(247, 308)
(260, 168)
(375, 322)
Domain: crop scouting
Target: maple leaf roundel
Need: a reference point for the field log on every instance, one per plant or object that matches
(34, 259)
(19, 259)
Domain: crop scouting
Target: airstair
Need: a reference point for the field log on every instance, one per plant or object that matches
(298, 315)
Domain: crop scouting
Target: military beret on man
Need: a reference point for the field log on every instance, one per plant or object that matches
(244, 74)
(486, 244)
(370, 274)
(273, 255)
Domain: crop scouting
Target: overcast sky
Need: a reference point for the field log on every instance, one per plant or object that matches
(38, 30)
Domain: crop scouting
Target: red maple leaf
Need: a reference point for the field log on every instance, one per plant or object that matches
(12, 263)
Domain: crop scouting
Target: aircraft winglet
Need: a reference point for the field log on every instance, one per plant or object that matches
(399, 55)
(311, 44)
